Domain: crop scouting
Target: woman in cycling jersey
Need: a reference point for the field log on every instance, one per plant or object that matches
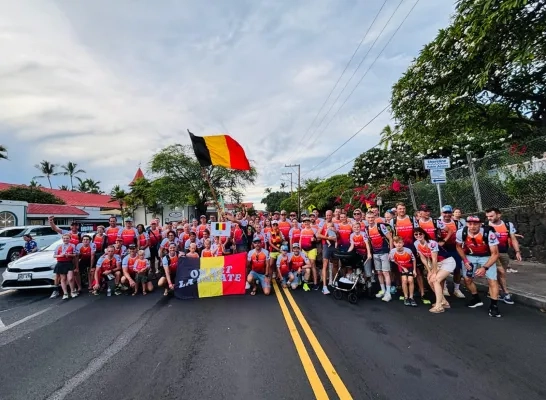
(438, 264)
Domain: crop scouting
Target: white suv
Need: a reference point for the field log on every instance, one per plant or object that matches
(10, 247)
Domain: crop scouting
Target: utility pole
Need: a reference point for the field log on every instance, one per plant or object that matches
(289, 173)
(299, 185)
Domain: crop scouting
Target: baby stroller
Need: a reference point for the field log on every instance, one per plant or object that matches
(355, 284)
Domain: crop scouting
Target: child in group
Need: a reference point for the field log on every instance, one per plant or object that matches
(217, 247)
(407, 265)
(207, 251)
(141, 268)
(282, 265)
(192, 252)
(331, 232)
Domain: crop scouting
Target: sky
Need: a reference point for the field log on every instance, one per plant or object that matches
(106, 84)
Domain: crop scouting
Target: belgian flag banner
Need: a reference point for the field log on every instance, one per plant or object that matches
(210, 276)
(221, 150)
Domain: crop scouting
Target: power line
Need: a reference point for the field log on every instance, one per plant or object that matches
(348, 140)
(340, 76)
(317, 129)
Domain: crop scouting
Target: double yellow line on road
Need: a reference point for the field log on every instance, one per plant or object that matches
(310, 371)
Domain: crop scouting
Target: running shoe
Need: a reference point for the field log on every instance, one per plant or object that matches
(380, 294)
(117, 292)
(457, 293)
(494, 312)
(306, 287)
(406, 302)
(475, 302)
(508, 299)
(54, 295)
(412, 303)
(65, 296)
(74, 293)
(325, 290)
(401, 298)
(393, 289)
(425, 301)
(386, 298)
(446, 292)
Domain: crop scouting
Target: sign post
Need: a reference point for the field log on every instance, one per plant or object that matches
(437, 168)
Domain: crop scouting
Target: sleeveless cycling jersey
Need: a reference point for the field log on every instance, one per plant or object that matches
(296, 261)
(257, 261)
(284, 227)
(171, 262)
(98, 241)
(378, 241)
(65, 249)
(404, 229)
(344, 231)
(306, 239)
(282, 263)
(112, 234)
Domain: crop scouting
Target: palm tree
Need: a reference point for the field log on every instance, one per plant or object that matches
(267, 191)
(34, 184)
(48, 170)
(3, 152)
(388, 135)
(82, 185)
(118, 194)
(71, 170)
(93, 186)
(63, 187)
(282, 186)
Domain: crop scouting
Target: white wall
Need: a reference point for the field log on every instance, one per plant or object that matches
(17, 208)
(94, 213)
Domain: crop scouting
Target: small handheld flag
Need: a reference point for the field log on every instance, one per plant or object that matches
(219, 150)
(220, 228)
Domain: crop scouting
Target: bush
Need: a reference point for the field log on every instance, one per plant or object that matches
(30, 195)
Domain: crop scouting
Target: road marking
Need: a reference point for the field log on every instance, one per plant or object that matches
(6, 327)
(310, 371)
(4, 292)
(1, 324)
(331, 372)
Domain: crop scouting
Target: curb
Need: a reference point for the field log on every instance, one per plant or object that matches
(521, 297)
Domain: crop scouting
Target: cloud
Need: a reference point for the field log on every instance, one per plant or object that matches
(105, 84)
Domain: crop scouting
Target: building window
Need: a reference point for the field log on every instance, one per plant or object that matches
(36, 222)
(7, 219)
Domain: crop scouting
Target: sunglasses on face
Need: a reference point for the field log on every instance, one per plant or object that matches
(418, 234)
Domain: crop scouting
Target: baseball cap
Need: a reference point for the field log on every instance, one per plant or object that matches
(306, 219)
(447, 209)
(128, 219)
(132, 246)
(274, 223)
(294, 245)
(473, 218)
(256, 240)
(284, 248)
(203, 216)
(180, 227)
(276, 212)
(424, 207)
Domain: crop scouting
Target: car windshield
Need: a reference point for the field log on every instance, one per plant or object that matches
(52, 246)
(11, 232)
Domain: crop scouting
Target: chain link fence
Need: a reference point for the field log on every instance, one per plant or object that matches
(508, 179)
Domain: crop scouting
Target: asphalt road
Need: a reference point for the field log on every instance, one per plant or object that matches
(243, 347)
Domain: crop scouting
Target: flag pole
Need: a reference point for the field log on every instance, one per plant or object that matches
(216, 202)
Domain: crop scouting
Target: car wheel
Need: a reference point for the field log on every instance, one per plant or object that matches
(13, 254)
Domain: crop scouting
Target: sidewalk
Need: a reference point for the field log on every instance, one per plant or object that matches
(527, 286)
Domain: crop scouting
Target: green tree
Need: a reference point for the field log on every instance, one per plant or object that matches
(323, 194)
(118, 195)
(484, 75)
(48, 170)
(88, 186)
(3, 152)
(273, 200)
(64, 187)
(186, 181)
(388, 135)
(30, 195)
(71, 170)
(34, 184)
(290, 203)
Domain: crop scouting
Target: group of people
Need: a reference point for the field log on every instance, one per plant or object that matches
(301, 250)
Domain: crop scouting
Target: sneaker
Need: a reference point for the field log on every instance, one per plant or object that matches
(117, 292)
(74, 294)
(406, 302)
(508, 298)
(494, 312)
(425, 301)
(446, 292)
(393, 289)
(54, 295)
(247, 286)
(65, 296)
(380, 294)
(475, 302)
(401, 298)
(457, 293)
(325, 290)
(387, 297)
(412, 303)
(306, 287)
(316, 287)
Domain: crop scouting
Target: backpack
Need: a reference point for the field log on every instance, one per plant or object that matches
(507, 225)
(414, 221)
(486, 231)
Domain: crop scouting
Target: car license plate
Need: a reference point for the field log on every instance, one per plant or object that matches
(24, 277)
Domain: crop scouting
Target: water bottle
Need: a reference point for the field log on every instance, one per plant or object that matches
(470, 272)
(109, 292)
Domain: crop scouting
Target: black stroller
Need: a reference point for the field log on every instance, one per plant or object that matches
(354, 285)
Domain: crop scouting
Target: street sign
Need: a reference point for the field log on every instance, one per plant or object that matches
(438, 176)
(437, 163)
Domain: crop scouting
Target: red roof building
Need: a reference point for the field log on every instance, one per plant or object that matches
(78, 199)
(45, 210)
(139, 175)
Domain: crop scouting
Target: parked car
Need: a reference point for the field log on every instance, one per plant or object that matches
(33, 271)
(10, 247)
(11, 231)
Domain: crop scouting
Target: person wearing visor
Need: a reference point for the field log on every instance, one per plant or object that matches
(478, 246)
(258, 264)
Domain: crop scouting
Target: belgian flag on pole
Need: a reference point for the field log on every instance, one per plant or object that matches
(210, 276)
(221, 150)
